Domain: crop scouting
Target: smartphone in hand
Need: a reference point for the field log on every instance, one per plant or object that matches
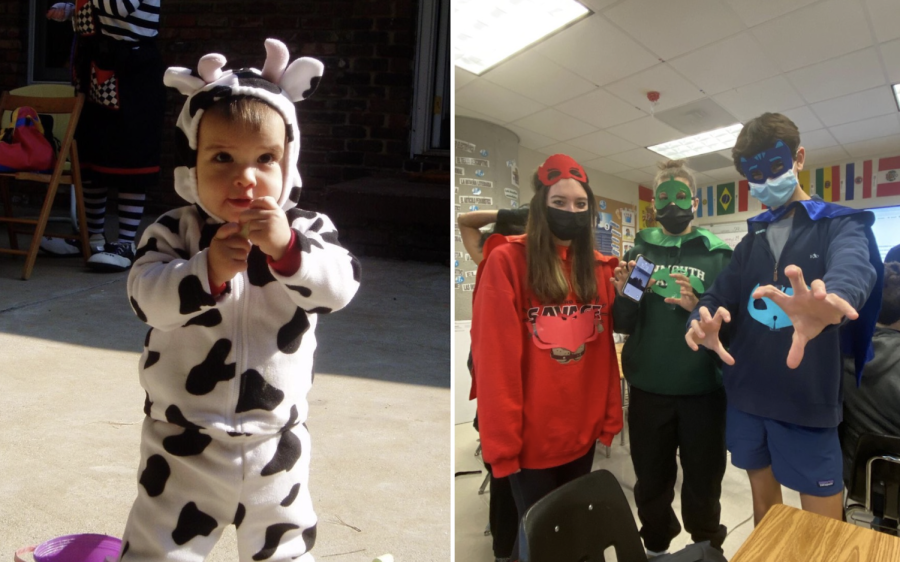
(639, 279)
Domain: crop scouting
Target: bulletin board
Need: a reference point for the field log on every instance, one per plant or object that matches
(616, 227)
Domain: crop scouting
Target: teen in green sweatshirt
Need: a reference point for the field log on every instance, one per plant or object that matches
(677, 401)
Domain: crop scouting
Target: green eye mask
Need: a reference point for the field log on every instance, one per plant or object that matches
(672, 188)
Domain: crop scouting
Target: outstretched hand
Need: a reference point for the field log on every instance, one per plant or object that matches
(687, 299)
(705, 332)
(811, 310)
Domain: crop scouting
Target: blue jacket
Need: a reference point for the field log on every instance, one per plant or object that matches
(828, 242)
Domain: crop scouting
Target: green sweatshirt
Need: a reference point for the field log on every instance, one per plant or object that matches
(655, 357)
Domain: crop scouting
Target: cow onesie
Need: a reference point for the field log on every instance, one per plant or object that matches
(226, 376)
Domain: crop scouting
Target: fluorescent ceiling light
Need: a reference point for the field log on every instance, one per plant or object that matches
(489, 31)
(897, 94)
(711, 141)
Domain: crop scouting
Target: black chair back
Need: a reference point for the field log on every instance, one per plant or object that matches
(578, 521)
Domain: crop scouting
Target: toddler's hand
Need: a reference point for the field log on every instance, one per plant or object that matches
(228, 253)
(268, 227)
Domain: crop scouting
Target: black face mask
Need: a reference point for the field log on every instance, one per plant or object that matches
(565, 225)
(674, 219)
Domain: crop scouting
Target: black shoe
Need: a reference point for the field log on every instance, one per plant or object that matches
(115, 257)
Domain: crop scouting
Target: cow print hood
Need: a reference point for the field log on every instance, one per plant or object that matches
(279, 84)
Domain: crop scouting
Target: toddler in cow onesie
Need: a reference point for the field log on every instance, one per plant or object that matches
(231, 287)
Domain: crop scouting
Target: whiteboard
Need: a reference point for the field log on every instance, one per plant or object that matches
(886, 228)
(730, 232)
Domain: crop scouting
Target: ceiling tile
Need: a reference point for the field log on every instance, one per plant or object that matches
(890, 52)
(578, 154)
(490, 99)
(856, 107)
(670, 29)
(815, 140)
(577, 49)
(858, 131)
(602, 143)
(724, 174)
(606, 166)
(885, 146)
(747, 102)
(555, 125)
(759, 11)
(462, 77)
(530, 139)
(884, 15)
(646, 131)
(638, 158)
(637, 176)
(673, 89)
(813, 34)
(601, 109)
(804, 118)
(463, 112)
(840, 76)
(830, 156)
(713, 67)
(597, 5)
(556, 84)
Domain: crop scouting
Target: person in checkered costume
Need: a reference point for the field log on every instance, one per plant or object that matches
(117, 66)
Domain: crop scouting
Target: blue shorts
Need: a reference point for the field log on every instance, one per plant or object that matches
(805, 459)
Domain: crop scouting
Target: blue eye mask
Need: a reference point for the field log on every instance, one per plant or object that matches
(768, 164)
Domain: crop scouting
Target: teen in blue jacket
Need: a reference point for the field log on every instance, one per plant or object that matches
(782, 372)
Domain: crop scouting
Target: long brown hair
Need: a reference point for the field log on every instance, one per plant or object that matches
(546, 275)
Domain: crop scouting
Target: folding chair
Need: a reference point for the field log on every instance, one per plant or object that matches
(60, 123)
(63, 106)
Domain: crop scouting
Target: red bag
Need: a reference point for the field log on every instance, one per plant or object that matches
(23, 146)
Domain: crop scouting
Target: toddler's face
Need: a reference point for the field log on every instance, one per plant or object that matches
(236, 165)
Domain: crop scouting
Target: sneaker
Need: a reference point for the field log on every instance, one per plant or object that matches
(66, 247)
(115, 257)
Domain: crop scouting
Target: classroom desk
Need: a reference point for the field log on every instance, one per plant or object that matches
(787, 534)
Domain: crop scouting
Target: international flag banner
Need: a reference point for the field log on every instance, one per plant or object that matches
(826, 184)
(867, 176)
(850, 181)
(645, 207)
(835, 183)
(725, 200)
(888, 178)
(820, 183)
(743, 195)
(803, 178)
(710, 201)
(699, 196)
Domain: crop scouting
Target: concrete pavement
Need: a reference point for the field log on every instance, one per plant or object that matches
(71, 411)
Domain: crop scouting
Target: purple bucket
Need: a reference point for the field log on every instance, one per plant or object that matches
(75, 548)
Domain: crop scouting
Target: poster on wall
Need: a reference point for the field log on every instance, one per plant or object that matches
(615, 221)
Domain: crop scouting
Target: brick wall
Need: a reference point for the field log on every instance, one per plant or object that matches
(13, 43)
(358, 122)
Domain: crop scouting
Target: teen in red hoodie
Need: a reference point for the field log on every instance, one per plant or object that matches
(542, 345)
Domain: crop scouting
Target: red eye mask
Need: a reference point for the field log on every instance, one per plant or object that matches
(560, 166)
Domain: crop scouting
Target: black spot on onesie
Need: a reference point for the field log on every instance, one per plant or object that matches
(286, 455)
(155, 475)
(191, 295)
(257, 394)
(204, 377)
(291, 334)
(192, 523)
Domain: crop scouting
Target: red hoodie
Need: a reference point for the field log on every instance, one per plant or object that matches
(547, 377)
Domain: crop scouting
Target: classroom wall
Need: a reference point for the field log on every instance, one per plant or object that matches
(754, 207)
